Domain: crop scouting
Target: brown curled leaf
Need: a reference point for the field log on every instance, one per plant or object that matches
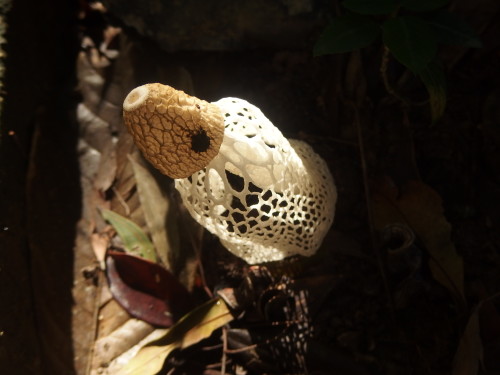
(420, 207)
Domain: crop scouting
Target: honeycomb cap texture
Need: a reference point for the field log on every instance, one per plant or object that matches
(179, 134)
(265, 197)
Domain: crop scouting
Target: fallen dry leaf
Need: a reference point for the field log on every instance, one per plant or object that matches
(118, 341)
(192, 328)
(116, 366)
(99, 245)
(418, 206)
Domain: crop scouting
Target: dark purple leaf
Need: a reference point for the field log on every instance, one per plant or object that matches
(145, 289)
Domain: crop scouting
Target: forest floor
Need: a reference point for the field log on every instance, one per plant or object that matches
(407, 280)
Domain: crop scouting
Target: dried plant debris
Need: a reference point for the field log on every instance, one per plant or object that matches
(333, 313)
(279, 328)
(269, 335)
(192, 328)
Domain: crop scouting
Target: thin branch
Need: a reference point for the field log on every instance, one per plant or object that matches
(241, 350)
(406, 122)
(383, 72)
(121, 201)
(95, 321)
(375, 247)
(197, 247)
(224, 351)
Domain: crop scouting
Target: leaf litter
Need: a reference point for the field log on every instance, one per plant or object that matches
(349, 314)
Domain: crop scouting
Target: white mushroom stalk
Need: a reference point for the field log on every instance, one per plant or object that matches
(265, 197)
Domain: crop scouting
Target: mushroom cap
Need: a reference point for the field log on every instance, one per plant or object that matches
(179, 134)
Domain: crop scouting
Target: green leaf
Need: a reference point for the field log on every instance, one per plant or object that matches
(156, 206)
(410, 40)
(423, 5)
(434, 80)
(136, 242)
(346, 33)
(371, 7)
(193, 327)
(451, 29)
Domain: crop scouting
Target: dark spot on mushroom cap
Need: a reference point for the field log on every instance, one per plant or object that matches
(200, 142)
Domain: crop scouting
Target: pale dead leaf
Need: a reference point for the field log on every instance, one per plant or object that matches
(97, 149)
(116, 366)
(98, 6)
(110, 33)
(99, 245)
(90, 79)
(107, 168)
(119, 341)
(111, 314)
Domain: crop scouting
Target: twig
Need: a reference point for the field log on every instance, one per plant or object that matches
(406, 122)
(385, 79)
(211, 347)
(224, 351)
(197, 246)
(375, 247)
(95, 321)
(241, 350)
(216, 365)
(122, 201)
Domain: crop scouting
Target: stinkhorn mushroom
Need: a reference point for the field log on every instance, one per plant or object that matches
(264, 196)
